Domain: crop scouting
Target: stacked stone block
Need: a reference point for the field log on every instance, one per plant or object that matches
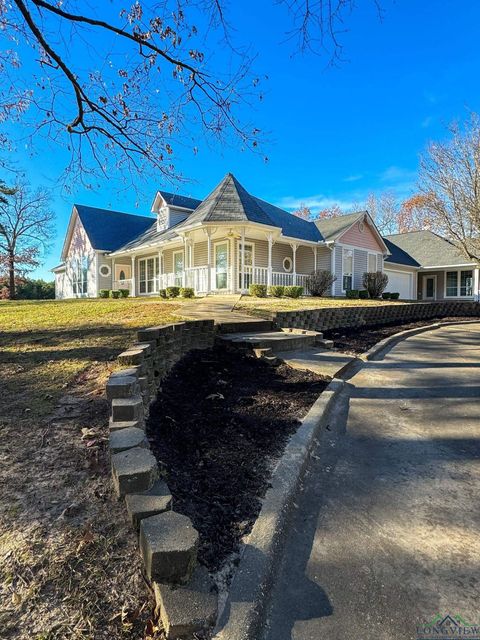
(168, 540)
(347, 317)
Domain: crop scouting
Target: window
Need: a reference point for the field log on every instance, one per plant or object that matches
(178, 268)
(372, 263)
(105, 270)
(249, 262)
(452, 284)
(459, 284)
(148, 272)
(80, 275)
(287, 264)
(347, 269)
(121, 275)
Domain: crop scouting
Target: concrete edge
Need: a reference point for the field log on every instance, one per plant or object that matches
(383, 345)
(251, 587)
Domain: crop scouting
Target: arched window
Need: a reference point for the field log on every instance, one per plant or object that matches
(122, 275)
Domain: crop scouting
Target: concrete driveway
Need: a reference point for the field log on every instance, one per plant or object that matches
(386, 531)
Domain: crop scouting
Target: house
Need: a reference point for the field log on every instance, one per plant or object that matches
(222, 244)
(440, 270)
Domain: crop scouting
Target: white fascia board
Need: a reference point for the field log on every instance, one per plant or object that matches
(399, 264)
(443, 267)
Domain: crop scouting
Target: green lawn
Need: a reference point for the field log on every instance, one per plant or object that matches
(263, 307)
(69, 565)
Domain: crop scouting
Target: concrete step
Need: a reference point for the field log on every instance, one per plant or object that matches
(322, 361)
(288, 340)
(245, 326)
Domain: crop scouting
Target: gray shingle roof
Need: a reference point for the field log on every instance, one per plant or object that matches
(151, 236)
(429, 249)
(332, 228)
(398, 255)
(231, 202)
(177, 200)
(108, 230)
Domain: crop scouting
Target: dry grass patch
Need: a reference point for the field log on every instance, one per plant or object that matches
(69, 567)
(263, 307)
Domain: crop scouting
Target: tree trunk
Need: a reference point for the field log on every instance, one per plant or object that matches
(11, 274)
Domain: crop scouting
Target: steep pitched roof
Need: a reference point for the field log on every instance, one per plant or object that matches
(398, 255)
(177, 200)
(231, 202)
(109, 230)
(429, 249)
(332, 228)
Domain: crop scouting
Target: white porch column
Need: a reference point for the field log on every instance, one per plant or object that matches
(231, 275)
(243, 260)
(269, 271)
(113, 272)
(133, 277)
(209, 260)
(476, 284)
(294, 251)
(160, 270)
(185, 261)
(314, 249)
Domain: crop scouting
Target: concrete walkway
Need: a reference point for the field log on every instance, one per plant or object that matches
(221, 308)
(385, 535)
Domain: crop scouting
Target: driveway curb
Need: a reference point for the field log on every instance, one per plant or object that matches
(252, 584)
(379, 349)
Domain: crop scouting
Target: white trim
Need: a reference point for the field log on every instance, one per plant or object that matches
(291, 264)
(182, 251)
(399, 264)
(411, 276)
(459, 279)
(239, 266)
(104, 266)
(215, 244)
(347, 248)
(452, 267)
(424, 287)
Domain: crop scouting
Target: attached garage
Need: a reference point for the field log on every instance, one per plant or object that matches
(401, 281)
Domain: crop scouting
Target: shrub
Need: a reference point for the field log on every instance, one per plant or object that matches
(375, 283)
(395, 296)
(35, 290)
(363, 294)
(187, 292)
(277, 290)
(293, 292)
(173, 292)
(320, 282)
(258, 290)
(162, 293)
(352, 293)
(4, 293)
(104, 293)
(386, 295)
(114, 293)
(124, 293)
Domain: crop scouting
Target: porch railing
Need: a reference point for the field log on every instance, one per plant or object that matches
(123, 284)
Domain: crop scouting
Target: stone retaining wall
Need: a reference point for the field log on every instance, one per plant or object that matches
(168, 541)
(342, 317)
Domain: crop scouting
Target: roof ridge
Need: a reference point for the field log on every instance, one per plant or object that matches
(123, 213)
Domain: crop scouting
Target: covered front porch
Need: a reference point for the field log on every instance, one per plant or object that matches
(220, 260)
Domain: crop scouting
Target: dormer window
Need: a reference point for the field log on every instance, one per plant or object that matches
(163, 218)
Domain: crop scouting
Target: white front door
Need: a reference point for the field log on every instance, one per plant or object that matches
(221, 265)
(429, 287)
(178, 268)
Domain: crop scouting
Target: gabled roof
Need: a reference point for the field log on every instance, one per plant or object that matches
(177, 200)
(109, 230)
(429, 249)
(398, 255)
(333, 228)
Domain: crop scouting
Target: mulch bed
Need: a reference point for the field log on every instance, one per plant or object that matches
(219, 424)
(356, 341)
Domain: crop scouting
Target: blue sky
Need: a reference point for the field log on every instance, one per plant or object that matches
(334, 134)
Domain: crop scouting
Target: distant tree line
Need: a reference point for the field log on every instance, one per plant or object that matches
(26, 289)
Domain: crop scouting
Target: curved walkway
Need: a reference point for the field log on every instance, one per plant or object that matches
(386, 532)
